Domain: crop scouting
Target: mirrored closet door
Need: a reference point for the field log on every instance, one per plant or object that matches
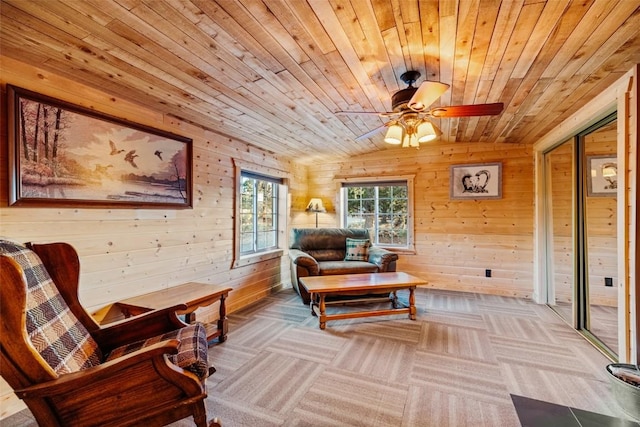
(581, 240)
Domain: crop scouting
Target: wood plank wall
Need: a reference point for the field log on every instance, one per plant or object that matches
(127, 252)
(455, 241)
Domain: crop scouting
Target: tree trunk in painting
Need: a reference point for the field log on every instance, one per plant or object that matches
(35, 135)
(56, 134)
(25, 145)
(45, 132)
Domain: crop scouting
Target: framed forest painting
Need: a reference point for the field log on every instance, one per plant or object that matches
(67, 155)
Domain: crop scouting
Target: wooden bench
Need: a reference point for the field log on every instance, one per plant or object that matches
(193, 294)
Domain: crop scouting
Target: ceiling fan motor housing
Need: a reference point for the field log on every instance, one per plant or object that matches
(400, 99)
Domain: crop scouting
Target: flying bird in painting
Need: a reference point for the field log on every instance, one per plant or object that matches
(131, 155)
(159, 154)
(114, 150)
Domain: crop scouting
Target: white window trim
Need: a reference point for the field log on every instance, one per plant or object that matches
(283, 196)
(410, 248)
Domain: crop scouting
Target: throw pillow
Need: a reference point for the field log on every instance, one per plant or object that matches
(357, 250)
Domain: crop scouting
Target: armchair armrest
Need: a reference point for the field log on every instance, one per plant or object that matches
(142, 384)
(71, 382)
(141, 327)
(305, 260)
(383, 258)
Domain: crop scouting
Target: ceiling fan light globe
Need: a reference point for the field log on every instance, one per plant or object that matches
(427, 94)
(426, 132)
(413, 141)
(394, 135)
(426, 138)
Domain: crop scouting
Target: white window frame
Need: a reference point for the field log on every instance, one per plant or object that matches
(409, 179)
(240, 166)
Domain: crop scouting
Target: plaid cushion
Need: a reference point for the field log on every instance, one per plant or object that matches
(192, 351)
(54, 331)
(357, 250)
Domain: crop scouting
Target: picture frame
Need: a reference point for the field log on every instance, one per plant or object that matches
(61, 154)
(475, 181)
(602, 176)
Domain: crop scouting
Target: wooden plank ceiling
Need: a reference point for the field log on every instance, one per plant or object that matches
(273, 73)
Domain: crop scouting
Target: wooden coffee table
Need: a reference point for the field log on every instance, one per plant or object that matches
(360, 284)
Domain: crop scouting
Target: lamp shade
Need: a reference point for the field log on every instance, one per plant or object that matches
(425, 132)
(315, 205)
(394, 135)
(609, 170)
(427, 94)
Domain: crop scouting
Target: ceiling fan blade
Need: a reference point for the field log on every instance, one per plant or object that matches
(371, 133)
(426, 94)
(379, 113)
(468, 110)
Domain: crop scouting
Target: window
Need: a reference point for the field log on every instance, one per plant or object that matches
(382, 207)
(258, 213)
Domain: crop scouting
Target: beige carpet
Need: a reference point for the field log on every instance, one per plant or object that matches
(457, 365)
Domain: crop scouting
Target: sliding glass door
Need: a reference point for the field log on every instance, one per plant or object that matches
(581, 241)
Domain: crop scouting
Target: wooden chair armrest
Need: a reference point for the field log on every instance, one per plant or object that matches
(153, 356)
(137, 328)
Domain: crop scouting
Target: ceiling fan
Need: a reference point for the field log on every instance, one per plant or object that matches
(409, 122)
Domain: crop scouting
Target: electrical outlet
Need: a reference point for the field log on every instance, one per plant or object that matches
(487, 273)
(608, 281)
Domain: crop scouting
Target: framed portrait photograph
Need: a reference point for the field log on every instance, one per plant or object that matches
(476, 181)
(67, 155)
(602, 176)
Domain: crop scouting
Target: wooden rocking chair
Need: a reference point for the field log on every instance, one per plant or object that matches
(70, 371)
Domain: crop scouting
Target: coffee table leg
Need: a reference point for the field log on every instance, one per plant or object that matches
(412, 304)
(322, 317)
(312, 303)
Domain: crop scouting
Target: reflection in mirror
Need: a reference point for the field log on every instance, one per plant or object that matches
(559, 214)
(600, 228)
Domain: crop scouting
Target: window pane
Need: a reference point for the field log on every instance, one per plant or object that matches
(400, 192)
(266, 239)
(368, 206)
(361, 192)
(353, 206)
(246, 242)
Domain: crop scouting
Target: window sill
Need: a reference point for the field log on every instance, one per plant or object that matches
(256, 258)
(395, 249)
